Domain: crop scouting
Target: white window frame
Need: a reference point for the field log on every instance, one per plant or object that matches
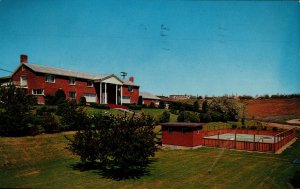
(87, 83)
(71, 81)
(34, 92)
(72, 96)
(23, 82)
(49, 76)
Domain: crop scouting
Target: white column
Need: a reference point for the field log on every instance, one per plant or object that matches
(105, 93)
(121, 94)
(100, 94)
(116, 94)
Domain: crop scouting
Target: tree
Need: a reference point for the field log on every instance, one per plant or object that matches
(60, 96)
(82, 101)
(224, 109)
(15, 111)
(196, 106)
(186, 116)
(164, 117)
(123, 144)
(162, 105)
(204, 106)
(73, 117)
(152, 105)
(140, 101)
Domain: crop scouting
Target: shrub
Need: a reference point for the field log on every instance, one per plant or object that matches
(99, 106)
(50, 99)
(205, 117)
(152, 105)
(216, 116)
(73, 116)
(82, 101)
(164, 117)
(49, 123)
(59, 96)
(233, 126)
(253, 127)
(274, 128)
(162, 105)
(135, 107)
(186, 116)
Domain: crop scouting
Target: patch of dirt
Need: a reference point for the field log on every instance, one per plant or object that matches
(27, 174)
(294, 121)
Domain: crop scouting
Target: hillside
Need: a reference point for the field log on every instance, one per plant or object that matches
(266, 108)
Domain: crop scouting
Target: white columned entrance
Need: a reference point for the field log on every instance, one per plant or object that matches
(105, 93)
(116, 94)
(121, 94)
(100, 94)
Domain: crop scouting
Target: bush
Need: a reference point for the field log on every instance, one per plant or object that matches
(165, 117)
(135, 107)
(186, 116)
(216, 116)
(82, 101)
(162, 105)
(274, 128)
(50, 99)
(73, 117)
(100, 106)
(233, 126)
(40, 110)
(140, 101)
(152, 105)
(49, 123)
(253, 127)
(205, 117)
(59, 96)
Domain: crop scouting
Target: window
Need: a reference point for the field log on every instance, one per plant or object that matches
(90, 97)
(126, 99)
(89, 83)
(72, 81)
(23, 81)
(38, 91)
(72, 94)
(50, 78)
(130, 88)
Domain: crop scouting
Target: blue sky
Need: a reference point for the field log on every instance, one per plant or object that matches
(170, 47)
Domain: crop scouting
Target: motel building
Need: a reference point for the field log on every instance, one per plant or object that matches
(104, 89)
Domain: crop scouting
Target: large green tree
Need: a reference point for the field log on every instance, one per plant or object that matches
(225, 109)
(120, 143)
(15, 111)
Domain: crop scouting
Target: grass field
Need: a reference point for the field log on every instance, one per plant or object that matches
(43, 162)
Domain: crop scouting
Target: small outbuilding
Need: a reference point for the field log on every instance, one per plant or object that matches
(182, 135)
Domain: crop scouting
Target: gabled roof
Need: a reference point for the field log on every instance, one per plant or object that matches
(127, 82)
(62, 72)
(147, 95)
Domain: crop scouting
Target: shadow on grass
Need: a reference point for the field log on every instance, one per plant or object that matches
(114, 172)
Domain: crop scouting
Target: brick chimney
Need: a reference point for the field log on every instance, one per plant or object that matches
(131, 79)
(23, 58)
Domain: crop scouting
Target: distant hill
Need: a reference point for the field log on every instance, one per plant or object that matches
(263, 108)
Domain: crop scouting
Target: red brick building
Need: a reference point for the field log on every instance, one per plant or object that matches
(182, 134)
(104, 89)
(148, 98)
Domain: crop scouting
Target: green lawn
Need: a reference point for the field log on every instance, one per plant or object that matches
(43, 162)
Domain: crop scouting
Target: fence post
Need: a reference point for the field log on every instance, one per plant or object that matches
(254, 144)
(235, 140)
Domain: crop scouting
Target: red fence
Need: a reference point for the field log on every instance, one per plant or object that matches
(280, 139)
